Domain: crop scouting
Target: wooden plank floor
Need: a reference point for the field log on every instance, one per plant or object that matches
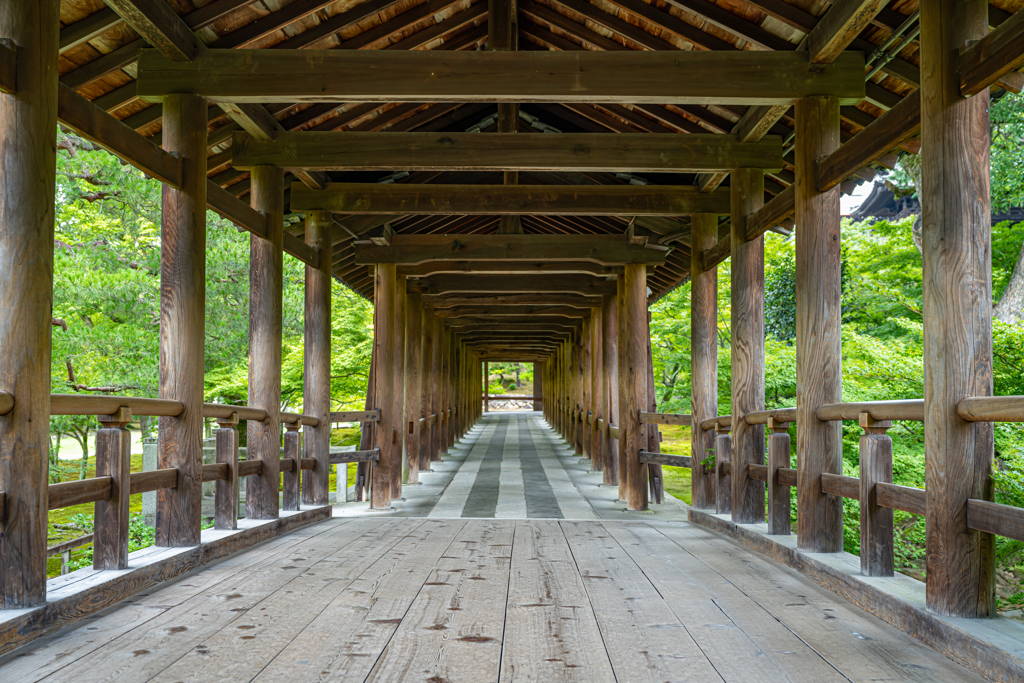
(452, 600)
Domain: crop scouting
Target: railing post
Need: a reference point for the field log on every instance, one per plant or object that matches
(957, 297)
(266, 273)
(747, 338)
(876, 527)
(316, 401)
(225, 496)
(723, 481)
(291, 484)
(779, 499)
(111, 517)
(27, 168)
(183, 322)
(426, 385)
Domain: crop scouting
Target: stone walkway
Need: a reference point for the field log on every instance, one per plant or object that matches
(512, 465)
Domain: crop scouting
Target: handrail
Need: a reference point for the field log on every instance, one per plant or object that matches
(761, 417)
(69, 545)
(78, 492)
(512, 397)
(666, 419)
(905, 409)
(995, 518)
(992, 409)
(717, 422)
(653, 458)
(154, 480)
(87, 404)
(6, 402)
(357, 416)
(292, 418)
(224, 411)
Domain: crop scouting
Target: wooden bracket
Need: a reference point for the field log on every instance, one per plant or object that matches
(226, 422)
(776, 425)
(118, 419)
(293, 426)
(872, 426)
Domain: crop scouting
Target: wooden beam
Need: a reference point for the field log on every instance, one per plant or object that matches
(556, 200)
(8, 66)
(506, 251)
(500, 311)
(507, 267)
(155, 21)
(994, 56)
(771, 214)
(509, 284)
(551, 321)
(227, 206)
(255, 120)
(654, 153)
(840, 25)
(289, 76)
(440, 301)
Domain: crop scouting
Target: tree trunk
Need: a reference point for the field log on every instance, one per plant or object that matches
(1010, 308)
(85, 453)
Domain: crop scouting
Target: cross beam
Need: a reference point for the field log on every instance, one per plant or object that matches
(654, 153)
(577, 284)
(511, 252)
(505, 267)
(443, 301)
(554, 200)
(688, 77)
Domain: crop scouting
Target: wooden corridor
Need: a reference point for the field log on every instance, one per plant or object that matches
(434, 600)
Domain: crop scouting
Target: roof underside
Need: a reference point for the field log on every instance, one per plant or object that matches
(98, 52)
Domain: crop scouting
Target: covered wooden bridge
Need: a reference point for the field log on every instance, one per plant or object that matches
(510, 180)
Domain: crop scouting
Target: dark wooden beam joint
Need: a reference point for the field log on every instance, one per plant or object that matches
(8, 66)
(155, 21)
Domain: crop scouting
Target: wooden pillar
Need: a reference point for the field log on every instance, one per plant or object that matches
(316, 393)
(596, 389)
(538, 386)
(426, 386)
(487, 389)
(610, 388)
(398, 380)
(747, 262)
(655, 477)
(443, 392)
(957, 298)
(779, 498)
(703, 356)
(634, 313)
(182, 322)
(435, 389)
(579, 388)
(110, 519)
(819, 445)
(723, 479)
(28, 129)
(225, 495)
(266, 272)
(587, 380)
(384, 384)
(413, 390)
(367, 430)
(623, 423)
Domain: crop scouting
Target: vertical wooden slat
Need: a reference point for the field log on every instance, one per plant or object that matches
(398, 380)
(538, 386)
(291, 481)
(111, 517)
(818, 333)
(746, 191)
(413, 390)
(28, 129)
(266, 273)
(634, 313)
(316, 401)
(779, 498)
(957, 257)
(876, 530)
(367, 433)
(225, 501)
(182, 322)
(610, 387)
(655, 476)
(703, 356)
(384, 382)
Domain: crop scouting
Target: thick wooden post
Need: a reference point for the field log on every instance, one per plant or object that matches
(538, 386)
(266, 274)
(703, 357)
(426, 386)
(291, 479)
(655, 477)
(819, 350)
(747, 382)
(623, 382)
(723, 479)
(28, 130)
(596, 389)
(442, 392)
(316, 441)
(610, 388)
(225, 495)
(367, 431)
(384, 384)
(634, 313)
(578, 388)
(957, 255)
(876, 531)
(487, 390)
(182, 322)
(413, 390)
(779, 499)
(398, 380)
(436, 349)
(114, 460)
(587, 380)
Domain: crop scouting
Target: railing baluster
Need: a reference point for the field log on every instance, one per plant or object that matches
(723, 481)
(292, 478)
(779, 499)
(226, 490)
(876, 526)
(111, 516)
